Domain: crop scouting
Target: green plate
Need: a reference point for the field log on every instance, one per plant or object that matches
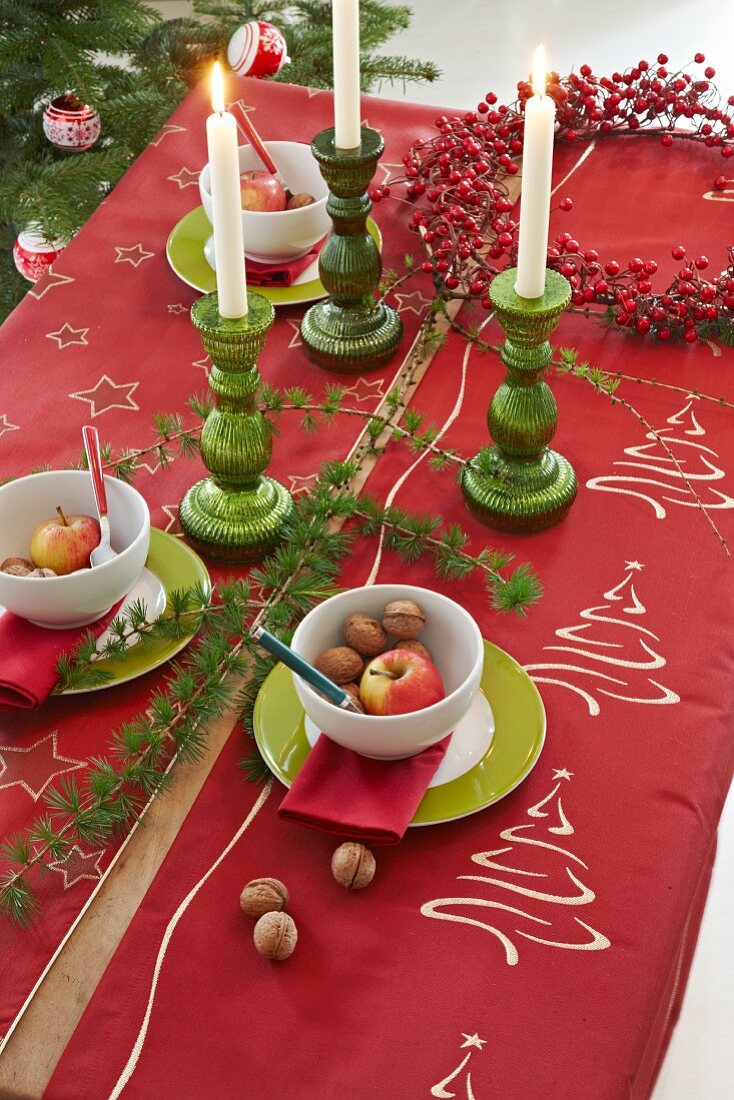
(172, 564)
(185, 253)
(519, 717)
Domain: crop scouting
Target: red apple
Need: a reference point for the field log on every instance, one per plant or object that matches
(64, 543)
(261, 191)
(398, 682)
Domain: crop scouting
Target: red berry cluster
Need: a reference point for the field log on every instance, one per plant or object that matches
(690, 305)
(458, 183)
(645, 95)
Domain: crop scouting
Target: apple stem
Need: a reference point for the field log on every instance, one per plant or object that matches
(383, 672)
(64, 520)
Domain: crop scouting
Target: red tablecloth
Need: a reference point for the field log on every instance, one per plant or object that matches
(559, 970)
(107, 339)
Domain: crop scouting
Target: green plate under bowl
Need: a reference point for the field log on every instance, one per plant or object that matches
(185, 253)
(174, 565)
(519, 734)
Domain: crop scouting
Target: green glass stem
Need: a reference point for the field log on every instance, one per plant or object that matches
(237, 514)
(522, 485)
(350, 332)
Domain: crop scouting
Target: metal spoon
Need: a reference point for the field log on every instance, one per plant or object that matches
(104, 551)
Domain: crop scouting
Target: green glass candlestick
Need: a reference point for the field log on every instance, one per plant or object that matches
(350, 331)
(522, 485)
(237, 514)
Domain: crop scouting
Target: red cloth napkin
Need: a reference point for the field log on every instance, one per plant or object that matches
(28, 655)
(285, 274)
(338, 791)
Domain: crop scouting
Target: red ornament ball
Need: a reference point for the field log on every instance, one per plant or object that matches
(566, 204)
(70, 124)
(33, 254)
(257, 49)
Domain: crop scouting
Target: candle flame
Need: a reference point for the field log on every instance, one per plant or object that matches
(540, 74)
(217, 88)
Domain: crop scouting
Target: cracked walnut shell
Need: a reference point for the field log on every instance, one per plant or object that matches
(263, 895)
(353, 692)
(414, 646)
(353, 866)
(275, 936)
(341, 664)
(403, 619)
(302, 198)
(17, 567)
(365, 635)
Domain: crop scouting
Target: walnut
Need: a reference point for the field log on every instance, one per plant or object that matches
(44, 572)
(341, 664)
(275, 935)
(403, 618)
(16, 567)
(353, 692)
(414, 646)
(295, 202)
(263, 895)
(353, 865)
(365, 635)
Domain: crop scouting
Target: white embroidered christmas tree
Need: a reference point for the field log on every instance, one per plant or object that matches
(461, 1075)
(650, 474)
(524, 904)
(610, 653)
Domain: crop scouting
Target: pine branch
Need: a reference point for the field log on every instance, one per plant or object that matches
(686, 390)
(186, 611)
(603, 383)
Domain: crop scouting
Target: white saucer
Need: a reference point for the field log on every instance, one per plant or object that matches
(469, 744)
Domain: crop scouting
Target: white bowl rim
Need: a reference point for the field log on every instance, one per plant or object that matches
(395, 718)
(97, 568)
(265, 213)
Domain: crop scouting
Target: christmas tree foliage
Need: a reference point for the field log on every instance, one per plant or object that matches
(120, 57)
(306, 27)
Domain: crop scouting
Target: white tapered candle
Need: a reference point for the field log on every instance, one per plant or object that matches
(345, 34)
(537, 165)
(224, 184)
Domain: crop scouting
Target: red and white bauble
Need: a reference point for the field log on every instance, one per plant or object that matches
(257, 49)
(70, 124)
(33, 254)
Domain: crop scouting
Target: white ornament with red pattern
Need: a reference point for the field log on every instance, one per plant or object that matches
(33, 254)
(257, 49)
(70, 124)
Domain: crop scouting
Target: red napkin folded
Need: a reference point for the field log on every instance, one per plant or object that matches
(28, 655)
(338, 791)
(285, 274)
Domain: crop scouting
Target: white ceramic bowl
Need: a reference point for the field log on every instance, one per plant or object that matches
(451, 635)
(276, 236)
(81, 597)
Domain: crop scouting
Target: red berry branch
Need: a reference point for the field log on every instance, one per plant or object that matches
(458, 183)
